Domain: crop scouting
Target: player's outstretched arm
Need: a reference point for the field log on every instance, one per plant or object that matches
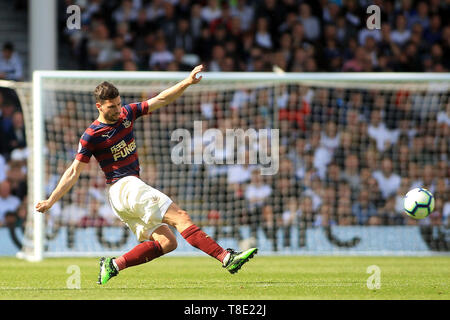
(171, 94)
(67, 181)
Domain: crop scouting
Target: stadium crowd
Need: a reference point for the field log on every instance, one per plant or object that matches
(346, 157)
(255, 35)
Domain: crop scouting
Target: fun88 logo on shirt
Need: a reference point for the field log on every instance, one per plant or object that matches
(121, 149)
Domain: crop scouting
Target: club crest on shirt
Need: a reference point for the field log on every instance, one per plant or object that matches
(126, 123)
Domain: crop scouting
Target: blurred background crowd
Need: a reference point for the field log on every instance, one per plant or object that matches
(347, 156)
(255, 35)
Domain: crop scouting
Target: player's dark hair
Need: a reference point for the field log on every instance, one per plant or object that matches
(105, 91)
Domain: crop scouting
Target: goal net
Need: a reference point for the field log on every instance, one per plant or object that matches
(291, 163)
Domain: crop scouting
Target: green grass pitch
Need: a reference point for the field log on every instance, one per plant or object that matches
(203, 278)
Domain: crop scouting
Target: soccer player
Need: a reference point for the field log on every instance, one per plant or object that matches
(145, 210)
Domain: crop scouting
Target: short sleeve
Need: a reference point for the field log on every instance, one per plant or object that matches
(84, 153)
(136, 110)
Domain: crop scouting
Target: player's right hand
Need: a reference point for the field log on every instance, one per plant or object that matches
(43, 206)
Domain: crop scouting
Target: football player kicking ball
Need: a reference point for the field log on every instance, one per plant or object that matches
(145, 210)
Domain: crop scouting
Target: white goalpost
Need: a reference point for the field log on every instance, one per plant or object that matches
(298, 210)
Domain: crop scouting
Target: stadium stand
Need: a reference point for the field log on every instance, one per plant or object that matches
(248, 35)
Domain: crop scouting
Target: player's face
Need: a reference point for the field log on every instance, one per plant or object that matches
(110, 109)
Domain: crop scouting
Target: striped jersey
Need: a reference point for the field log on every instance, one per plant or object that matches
(113, 145)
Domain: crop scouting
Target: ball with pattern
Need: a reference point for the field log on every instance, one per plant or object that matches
(418, 203)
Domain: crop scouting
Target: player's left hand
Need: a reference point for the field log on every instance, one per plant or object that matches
(193, 79)
(43, 206)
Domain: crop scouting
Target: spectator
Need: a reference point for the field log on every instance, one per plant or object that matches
(93, 217)
(211, 11)
(351, 174)
(289, 219)
(352, 16)
(330, 137)
(273, 11)
(196, 20)
(310, 22)
(218, 57)
(10, 63)
(389, 215)
(296, 111)
(322, 156)
(123, 30)
(263, 38)
(325, 216)
(128, 60)
(140, 26)
(110, 56)
(401, 34)
(426, 178)
(183, 37)
(168, 23)
(346, 147)
(239, 174)
(378, 131)
(7, 128)
(72, 213)
(344, 212)
(257, 192)
(402, 159)
(321, 107)
(330, 12)
(443, 116)
(3, 169)
(98, 40)
(388, 181)
(363, 209)
(333, 176)
(446, 213)
(434, 32)
(8, 202)
(358, 63)
(161, 56)
(307, 214)
(329, 197)
(17, 173)
(245, 13)
(421, 16)
(155, 10)
(313, 189)
(126, 12)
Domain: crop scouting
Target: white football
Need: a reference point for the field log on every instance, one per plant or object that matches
(418, 203)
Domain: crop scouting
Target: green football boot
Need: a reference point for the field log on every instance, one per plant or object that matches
(107, 270)
(237, 259)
